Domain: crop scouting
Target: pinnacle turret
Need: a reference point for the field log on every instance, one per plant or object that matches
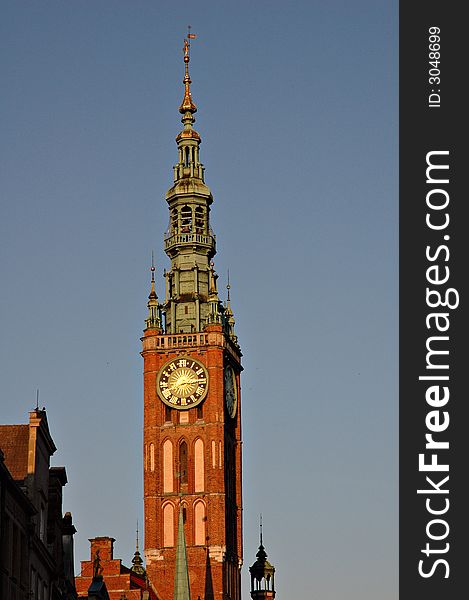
(153, 321)
(262, 574)
(137, 562)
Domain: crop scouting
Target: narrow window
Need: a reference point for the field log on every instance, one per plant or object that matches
(183, 463)
(168, 525)
(200, 412)
(174, 221)
(167, 413)
(214, 454)
(199, 466)
(186, 219)
(199, 219)
(199, 522)
(152, 457)
(167, 467)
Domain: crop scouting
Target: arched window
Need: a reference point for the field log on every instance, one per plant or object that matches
(168, 525)
(214, 454)
(199, 219)
(167, 467)
(152, 457)
(199, 523)
(186, 156)
(174, 221)
(199, 466)
(183, 463)
(186, 219)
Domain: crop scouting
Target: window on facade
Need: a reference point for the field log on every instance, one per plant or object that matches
(199, 467)
(167, 413)
(174, 221)
(186, 157)
(186, 219)
(200, 412)
(183, 463)
(168, 525)
(168, 467)
(199, 219)
(152, 457)
(199, 522)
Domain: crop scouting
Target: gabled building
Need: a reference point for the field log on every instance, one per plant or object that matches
(36, 539)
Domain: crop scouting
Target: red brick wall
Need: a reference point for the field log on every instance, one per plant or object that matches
(214, 565)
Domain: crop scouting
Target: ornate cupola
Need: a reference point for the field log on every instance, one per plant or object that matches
(262, 575)
(189, 240)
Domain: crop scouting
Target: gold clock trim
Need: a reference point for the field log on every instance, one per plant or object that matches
(182, 382)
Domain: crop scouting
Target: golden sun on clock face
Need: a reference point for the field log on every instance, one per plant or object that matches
(182, 382)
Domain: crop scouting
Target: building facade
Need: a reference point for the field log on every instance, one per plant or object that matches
(192, 408)
(36, 540)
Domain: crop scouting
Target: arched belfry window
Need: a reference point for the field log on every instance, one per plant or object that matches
(174, 221)
(199, 219)
(186, 219)
(183, 463)
(186, 156)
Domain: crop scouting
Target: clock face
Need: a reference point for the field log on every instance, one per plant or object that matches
(182, 382)
(231, 393)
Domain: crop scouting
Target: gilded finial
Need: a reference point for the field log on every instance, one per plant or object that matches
(152, 270)
(187, 105)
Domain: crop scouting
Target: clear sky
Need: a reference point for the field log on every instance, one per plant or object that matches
(298, 116)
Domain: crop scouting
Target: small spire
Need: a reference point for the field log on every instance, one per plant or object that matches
(137, 562)
(228, 287)
(152, 269)
(214, 315)
(187, 104)
(229, 317)
(153, 321)
(262, 573)
(260, 529)
(181, 576)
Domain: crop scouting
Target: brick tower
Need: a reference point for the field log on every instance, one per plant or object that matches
(192, 417)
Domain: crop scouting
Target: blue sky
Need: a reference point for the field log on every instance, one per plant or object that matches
(298, 117)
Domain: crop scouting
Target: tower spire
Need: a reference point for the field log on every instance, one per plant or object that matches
(230, 320)
(181, 577)
(262, 574)
(153, 321)
(187, 105)
(137, 562)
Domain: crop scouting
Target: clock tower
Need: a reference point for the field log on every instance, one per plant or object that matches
(192, 411)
